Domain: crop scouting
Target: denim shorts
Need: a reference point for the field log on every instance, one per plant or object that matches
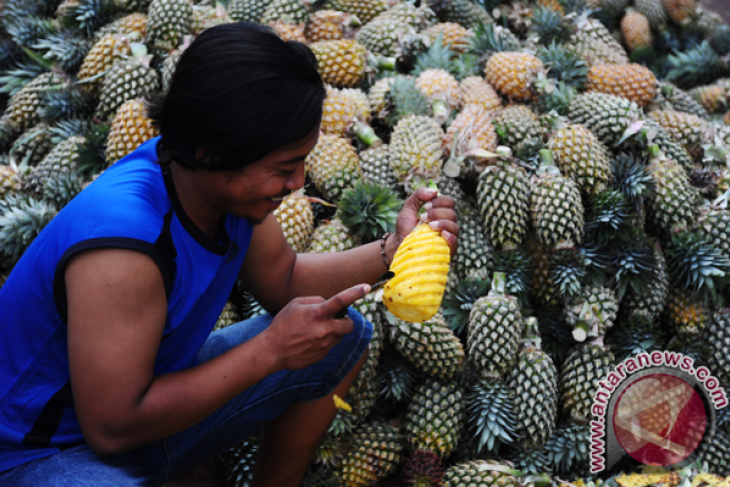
(159, 461)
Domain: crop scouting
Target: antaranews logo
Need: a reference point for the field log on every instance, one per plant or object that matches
(656, 408)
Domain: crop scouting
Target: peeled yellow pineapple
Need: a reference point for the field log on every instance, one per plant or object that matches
(421, 266)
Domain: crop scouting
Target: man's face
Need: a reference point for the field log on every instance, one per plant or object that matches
(258, 189)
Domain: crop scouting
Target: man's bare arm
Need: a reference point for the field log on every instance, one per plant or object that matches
(116, 315)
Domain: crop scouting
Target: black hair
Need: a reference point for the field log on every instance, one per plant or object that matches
(239, 92)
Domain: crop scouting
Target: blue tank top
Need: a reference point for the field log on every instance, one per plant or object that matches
(132, 205)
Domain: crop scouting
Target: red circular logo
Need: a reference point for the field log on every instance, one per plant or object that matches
(659, 419)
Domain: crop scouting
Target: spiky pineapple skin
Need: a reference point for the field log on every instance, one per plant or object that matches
(582, 157)
(62, 159)
(454, 35)
(296, 218)
(510, 73)
(534, 385)
(477, 473)
(125, 81)
(503, 196)
(631, 81)
(472, 258)
(333, 166)
(331, 237)
(687, 129)
(557, 211)
(167, 22)
(430, 346)
(130, 127)
(585, 366)
(606, 115)
(439, 85)
(493, 337)
(717, 336)
(415, 149)
(341, 62)
(339, 112)
(602, 309)
(672, 207)
(594, 43)
(375, 453)
(434, 418)
(475, 90)
(421, 266)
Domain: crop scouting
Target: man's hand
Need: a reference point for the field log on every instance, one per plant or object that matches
(305, 330)
(439, 214)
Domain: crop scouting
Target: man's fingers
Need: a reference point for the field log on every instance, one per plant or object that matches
(329, 308)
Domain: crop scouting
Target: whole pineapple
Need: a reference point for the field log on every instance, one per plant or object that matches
(533, 383)
(23, 108)
(512, 72)
(130, 127)
(582, 157)
(341, 62)
(430, 346)
(415, 149)
(636, 30)
(62, 159)
(421, 265)
(374, 454)
(607, 116)
(125, 81)
(503, 197)
(586, 364)
(595, 44)
(672, 206)
(631, 81)
(102, 56)
(332, 236)
(434, 418)
(167, 22)
(687, 129)
(333, 166)
(495, 328)
(556, 207)
(475, 90)
(296, 218)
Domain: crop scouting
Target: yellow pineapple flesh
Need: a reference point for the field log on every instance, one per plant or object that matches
(421, 267)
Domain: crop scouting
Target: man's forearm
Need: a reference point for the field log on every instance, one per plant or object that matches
(327, 274)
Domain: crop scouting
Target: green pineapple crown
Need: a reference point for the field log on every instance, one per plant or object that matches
(596, 258)
(698, 66)
(61, 189)
(404, 99)
(368, 210)
(65, 49)
(634, 263)
(466, 65)
(438, 56)
(631, 177)
(635, 335)
(16, 78)
(397, 378)
(564, 64)
(567, 270)
(609, 215)
(490, 38)
(27, 30)
(92, 158)
(21, 220)
(695, 265)
(517, 266)
(550, 26)
(423, 468)
(66, 102)
(720, 40)
(568, 450)
(490, 413)
(458, 304)
(556, 98)
(89, 15)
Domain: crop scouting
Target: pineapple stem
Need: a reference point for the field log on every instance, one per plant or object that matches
(532, 334)
(654, 151)
(580, 332)
(498, 282)
(546, 157)
(366, 134)
(440, 111)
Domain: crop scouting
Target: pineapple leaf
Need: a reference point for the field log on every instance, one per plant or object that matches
(368, 210)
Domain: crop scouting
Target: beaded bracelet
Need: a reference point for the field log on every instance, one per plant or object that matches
(383, 239)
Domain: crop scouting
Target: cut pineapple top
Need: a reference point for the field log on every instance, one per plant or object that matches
(421, 266)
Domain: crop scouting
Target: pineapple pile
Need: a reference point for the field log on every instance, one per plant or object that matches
(586, 144)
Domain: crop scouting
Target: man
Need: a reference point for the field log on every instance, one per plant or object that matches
(109, 374)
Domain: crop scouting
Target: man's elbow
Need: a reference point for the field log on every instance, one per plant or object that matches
(105, 444)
